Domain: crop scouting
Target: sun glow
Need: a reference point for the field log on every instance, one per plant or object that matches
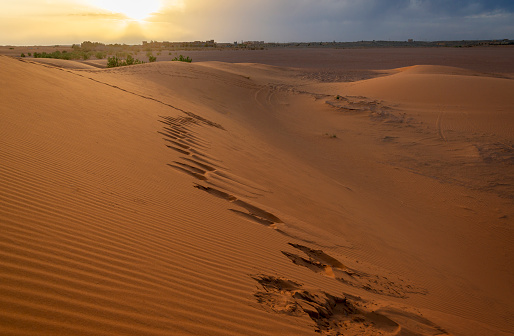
(133, 9)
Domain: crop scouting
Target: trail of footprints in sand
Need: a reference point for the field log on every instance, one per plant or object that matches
(332, 315)
(180, 137)
(217, 181)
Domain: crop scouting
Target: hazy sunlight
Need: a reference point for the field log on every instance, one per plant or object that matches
(137, 10)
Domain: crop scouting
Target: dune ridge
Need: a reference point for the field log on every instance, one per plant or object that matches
(207, 199)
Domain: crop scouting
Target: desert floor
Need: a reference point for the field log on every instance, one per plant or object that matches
(275, 192)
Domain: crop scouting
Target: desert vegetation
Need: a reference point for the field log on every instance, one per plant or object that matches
(151, 57)
(117, 55)
(181, 58)
(115, 61)
(76, 54)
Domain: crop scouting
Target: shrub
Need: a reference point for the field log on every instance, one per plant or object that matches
(22, 55)
(152, 58)
(114, 61)
(130, 60)
(100, 55)
(30, 54)
(181, 58)
(64, 55)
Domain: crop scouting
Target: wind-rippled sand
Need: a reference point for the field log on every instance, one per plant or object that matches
(246, 199)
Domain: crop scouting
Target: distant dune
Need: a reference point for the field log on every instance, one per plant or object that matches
(249, 199)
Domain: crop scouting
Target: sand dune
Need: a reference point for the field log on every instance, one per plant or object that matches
(65, 64)
(247, 199)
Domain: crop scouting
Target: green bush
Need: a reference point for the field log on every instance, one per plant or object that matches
(22, 55)
(63, 55)
(181, 58)
(130, 60)
(151, 57)
(114, 61)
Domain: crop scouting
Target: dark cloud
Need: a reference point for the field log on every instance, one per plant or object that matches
(347, 20)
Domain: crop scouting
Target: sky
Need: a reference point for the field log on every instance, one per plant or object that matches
(49, 22)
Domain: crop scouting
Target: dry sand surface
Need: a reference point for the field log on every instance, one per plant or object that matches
(217, 198)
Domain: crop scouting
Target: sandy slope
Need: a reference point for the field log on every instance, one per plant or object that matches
(65, 64)
(210, 199)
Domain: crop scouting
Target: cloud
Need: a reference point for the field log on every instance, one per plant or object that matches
(342, 20)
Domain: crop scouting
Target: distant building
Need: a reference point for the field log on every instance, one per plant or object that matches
(254, 42)
(410, 40)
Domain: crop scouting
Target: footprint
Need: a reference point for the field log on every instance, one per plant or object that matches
(190, 168)
(313, 265)
(319, 255)
(215, 192)
(320, 262)
(254, 218)
(254, 213)
(332, 315)
(339, 315)
(168, 135)
(178, 150)
(176, 143)
(199, 164)
(184, 170)
(196, 157)
(177, 134)
(257, 211)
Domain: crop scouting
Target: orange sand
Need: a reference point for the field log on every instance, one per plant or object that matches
(246, 199)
